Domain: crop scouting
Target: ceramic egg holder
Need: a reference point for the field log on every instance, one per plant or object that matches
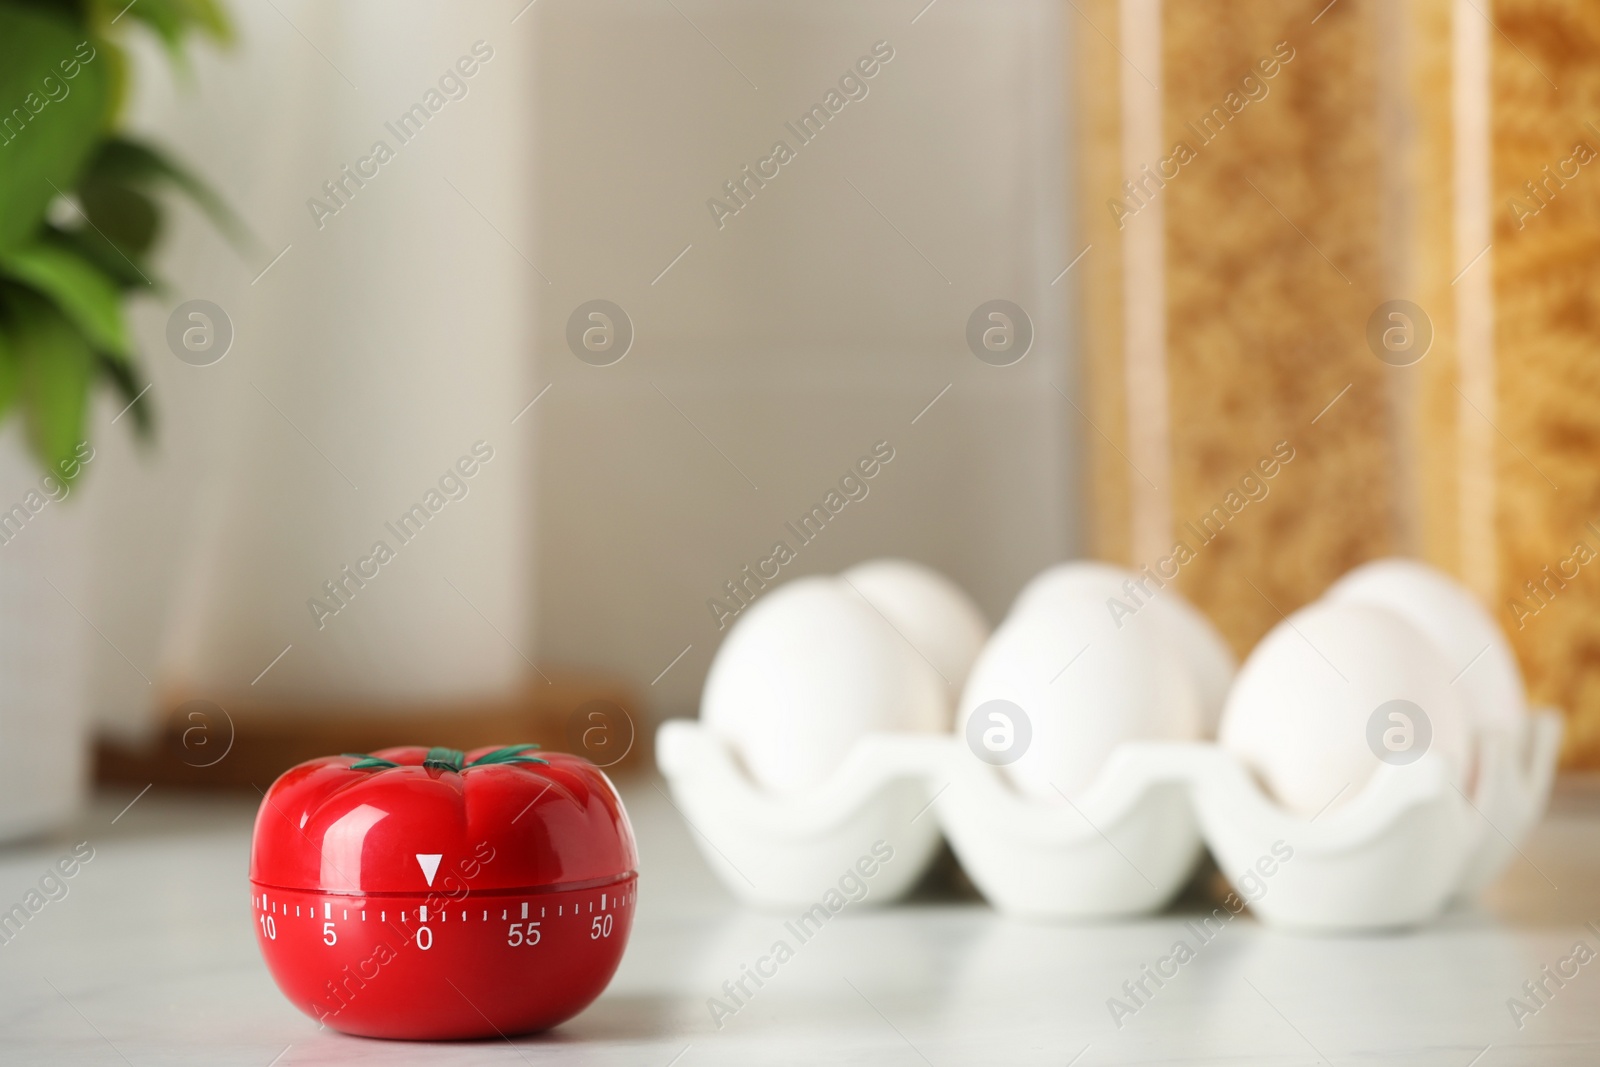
(1516, 771)
(1125, 847)
(1394, 854)
(786, 850)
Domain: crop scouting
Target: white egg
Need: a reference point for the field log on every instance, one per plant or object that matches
(1301, 714)
(807, 670)
(1073, 578)
(1085, 685)
(1490, 683)
(933, 614)
(1187, 631)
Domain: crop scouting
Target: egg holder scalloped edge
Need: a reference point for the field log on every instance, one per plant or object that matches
(1396, 854)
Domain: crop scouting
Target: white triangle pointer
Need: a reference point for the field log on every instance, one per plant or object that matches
(429, 864)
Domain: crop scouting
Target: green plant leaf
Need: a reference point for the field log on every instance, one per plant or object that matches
(172, 21)
(132, 387)
(211, 18)
(49, 122)
(8, 372)
(63, 78)
(118, 74)
(78, 287)
(124, 216)
(55, 368)
(128, 273)
(131, 162)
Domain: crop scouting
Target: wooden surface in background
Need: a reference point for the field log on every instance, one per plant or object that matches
(233, 744)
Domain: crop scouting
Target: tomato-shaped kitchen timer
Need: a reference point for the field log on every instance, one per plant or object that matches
(430, 893)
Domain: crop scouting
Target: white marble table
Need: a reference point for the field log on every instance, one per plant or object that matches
(150, 959)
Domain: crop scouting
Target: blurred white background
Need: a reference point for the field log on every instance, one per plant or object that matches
(429, 311)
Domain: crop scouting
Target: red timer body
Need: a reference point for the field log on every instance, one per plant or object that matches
(430, 893)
